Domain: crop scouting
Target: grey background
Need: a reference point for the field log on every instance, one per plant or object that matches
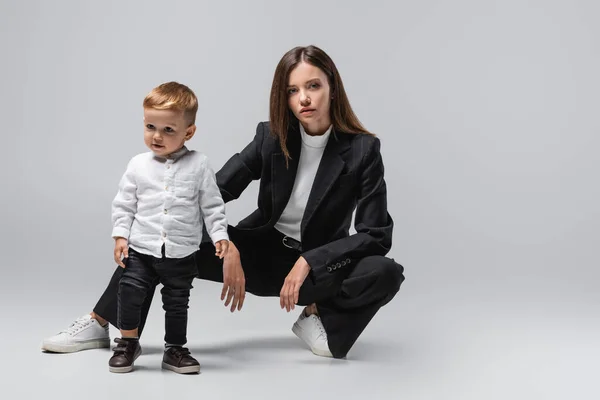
(487, 112)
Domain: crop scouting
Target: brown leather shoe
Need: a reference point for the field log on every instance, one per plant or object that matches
(125, 353)
(179, 359)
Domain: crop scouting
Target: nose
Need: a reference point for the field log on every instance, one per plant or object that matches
(157, 137)
(304, 99)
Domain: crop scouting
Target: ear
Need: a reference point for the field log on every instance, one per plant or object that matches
(189, 132)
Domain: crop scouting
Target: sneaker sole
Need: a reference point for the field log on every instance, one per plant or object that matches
(72, 348)
(323, 353)
(121, 370)
(182, 370)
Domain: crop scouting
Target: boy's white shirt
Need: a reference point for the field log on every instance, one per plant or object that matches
(165, 200)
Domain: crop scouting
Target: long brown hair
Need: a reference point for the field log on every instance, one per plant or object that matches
(282, 119)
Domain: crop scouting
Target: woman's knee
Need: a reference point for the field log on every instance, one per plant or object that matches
(390, 274)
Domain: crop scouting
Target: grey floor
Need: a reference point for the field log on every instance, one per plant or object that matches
(437, 345)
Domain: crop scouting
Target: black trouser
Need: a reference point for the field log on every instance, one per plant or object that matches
(138, 280)
(346, 303)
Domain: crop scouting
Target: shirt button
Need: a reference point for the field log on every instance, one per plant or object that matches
(168, 166)
(166, 188)
(164, 234)
(165, 210)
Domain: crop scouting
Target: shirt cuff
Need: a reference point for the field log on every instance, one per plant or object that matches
(219, 236)
(120, 232)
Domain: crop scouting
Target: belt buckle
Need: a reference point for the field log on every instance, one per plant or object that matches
(291, 243)
(284, 241)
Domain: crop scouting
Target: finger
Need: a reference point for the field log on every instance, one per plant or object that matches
(287, 297)
(234, 300)
(117, 258)
(242, 298)
(240, 292)
(291, 298)
(236, 297)
(282, 295)
(221, 252)
(230, 293)
(296, 295)
(126, 251)
(122, 259)
(224, 290)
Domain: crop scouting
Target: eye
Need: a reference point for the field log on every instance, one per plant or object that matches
(149, 126)
(292, 90)
(314, 85)
(168, 129)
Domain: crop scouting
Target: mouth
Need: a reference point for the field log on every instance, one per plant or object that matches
(157, 146)
(307, 111)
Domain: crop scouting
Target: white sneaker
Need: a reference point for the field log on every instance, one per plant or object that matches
(311, 330)
(84, 333)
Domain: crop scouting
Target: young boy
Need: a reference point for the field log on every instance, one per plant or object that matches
(158, 214)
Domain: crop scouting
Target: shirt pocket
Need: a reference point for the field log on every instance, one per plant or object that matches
(186, 185)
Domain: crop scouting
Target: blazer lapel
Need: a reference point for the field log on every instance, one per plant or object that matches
(330, 167)
(283, 177)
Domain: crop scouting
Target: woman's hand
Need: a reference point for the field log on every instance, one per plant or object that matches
(234, 282)
(288, 297)
(121, 251)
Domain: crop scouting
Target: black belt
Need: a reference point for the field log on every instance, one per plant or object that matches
(289, 242)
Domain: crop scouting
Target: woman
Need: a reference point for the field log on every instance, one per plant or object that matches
(316, 165)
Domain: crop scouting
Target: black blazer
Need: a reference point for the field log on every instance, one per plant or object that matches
(349, 176)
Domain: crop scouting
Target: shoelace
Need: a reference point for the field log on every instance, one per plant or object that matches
(322, 333)
(77, 326)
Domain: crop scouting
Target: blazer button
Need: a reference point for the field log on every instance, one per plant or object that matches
(343, 263)
(347, 260)
(338, 265)
(329, 269)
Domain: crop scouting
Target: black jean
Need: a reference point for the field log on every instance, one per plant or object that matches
(346, 302)
(139, 278)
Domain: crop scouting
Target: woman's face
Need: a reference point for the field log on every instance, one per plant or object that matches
(309, 98)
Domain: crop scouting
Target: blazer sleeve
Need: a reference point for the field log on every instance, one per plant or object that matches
(373, 223)
(242, 168)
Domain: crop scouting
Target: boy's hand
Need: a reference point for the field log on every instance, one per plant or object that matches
(121, 251)
(222, 246)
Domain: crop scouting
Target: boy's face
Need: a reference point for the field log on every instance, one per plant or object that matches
(165, 131)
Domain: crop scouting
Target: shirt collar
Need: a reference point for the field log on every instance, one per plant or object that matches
(177, 154)
(319, 141)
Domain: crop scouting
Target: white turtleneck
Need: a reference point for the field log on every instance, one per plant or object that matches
(310, 156)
